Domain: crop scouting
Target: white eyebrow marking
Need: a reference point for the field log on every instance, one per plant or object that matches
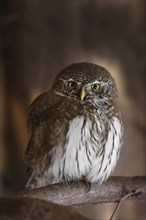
(100, 82)
(88, 84)
(70, 79)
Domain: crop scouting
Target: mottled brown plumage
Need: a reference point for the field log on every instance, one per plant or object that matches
(75, 128)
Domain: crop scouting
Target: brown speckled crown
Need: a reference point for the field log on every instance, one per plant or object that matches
(85, 72)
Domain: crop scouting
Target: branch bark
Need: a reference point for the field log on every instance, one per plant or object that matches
(76, 194)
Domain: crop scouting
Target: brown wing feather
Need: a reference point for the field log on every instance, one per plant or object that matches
(41, 109)
(38, 106)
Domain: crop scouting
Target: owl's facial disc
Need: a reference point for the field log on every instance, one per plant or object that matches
(82, 91)
(86, 82)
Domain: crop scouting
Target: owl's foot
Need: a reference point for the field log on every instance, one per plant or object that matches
(88, 184)
(88, 187)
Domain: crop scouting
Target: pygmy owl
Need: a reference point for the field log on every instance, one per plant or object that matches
(76, 129)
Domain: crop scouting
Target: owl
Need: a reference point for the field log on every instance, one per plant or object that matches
(76, 128)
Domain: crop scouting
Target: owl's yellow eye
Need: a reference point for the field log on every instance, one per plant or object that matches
(96, 86)
(72, 84)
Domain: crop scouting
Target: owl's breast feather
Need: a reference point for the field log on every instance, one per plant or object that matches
(87, 151)
(74, 156)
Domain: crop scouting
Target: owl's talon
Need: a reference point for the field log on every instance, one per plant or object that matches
(88, 184)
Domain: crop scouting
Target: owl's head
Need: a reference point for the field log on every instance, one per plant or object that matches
(86, 82)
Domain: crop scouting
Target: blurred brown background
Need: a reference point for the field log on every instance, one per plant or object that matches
(38, 39)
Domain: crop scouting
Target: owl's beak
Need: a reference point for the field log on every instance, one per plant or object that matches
(82, 94)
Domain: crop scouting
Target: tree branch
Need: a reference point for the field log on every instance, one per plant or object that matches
(20, 208)
(75, 194)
